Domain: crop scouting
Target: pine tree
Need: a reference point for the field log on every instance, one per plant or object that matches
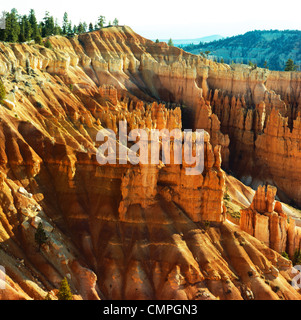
(101, 21)
(43, 26)
(12, 26)
(170, 42)
(69, 28)
(48, 44)
(265, 65)
(40, 28)
(157, 41)
(57, 29)
(48, 25)
(80, 28)
(115, 22)
(65, 23)
(21, 36)
(64, 291)
(40, 236)
(27, 29)
(290, 65)
(34, 25)
(91, 28)
(38, 39)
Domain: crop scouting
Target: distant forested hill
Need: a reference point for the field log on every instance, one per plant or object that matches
(265, 48)
(184, 42)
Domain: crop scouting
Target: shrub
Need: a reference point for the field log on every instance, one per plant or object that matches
(226, 195)
(38, 40)
(40, 236)
(206, 225)
(48, 44)
(48, 297)
(285, 255)
(2, 91)
(39, 105)
(64, 291)
(297, 258)
(290, 65)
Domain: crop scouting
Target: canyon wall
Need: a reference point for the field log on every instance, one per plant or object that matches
(119, 231)
(241, 97)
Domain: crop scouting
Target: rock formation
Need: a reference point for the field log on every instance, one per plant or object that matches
(122, 231)
(264, 139)
(242, 98)
(266, 221)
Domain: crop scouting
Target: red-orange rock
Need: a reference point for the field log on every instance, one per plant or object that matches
(266, 221)
(123, 231)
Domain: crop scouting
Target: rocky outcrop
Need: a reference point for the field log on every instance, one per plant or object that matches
(264, 139)
(266, 221)
(278, 149)
(209, 121)
(201, 196)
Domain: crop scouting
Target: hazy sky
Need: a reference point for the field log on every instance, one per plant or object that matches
(163, 19)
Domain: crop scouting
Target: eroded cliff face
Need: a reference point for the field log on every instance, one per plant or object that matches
(228, 101)
(263, 125)
(120, 231)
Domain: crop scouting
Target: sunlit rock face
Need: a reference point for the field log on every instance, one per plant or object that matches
(122, 231)
(266, 220)
(263, 123)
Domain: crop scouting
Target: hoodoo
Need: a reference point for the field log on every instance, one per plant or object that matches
(145, 231)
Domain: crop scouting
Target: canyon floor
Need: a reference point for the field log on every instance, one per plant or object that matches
(122, 231)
